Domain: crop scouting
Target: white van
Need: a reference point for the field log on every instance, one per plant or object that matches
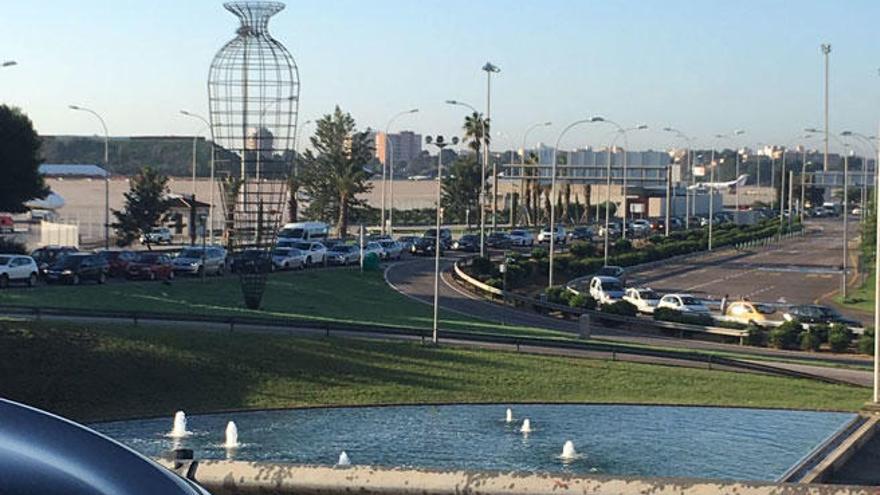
(304, 231)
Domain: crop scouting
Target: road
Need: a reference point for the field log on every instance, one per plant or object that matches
(415, 279)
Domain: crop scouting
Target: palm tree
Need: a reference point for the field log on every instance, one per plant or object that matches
(473, 130)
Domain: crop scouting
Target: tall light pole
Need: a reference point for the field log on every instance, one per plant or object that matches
(482, 177)
(826, 51)
(620, 131)
(213, 150)
(552, 228)
(296, 158)
(624, 204)
(440, 143)
(872, 147)
(388, 162)
(491, 69)
(522, 155)
(689, 166)
(877, 278)
(106, 171)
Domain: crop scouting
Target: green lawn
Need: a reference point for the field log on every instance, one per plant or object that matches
(114, 372)
(339, 295)
(862, 298)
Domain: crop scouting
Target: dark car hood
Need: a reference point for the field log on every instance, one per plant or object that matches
(43, 453)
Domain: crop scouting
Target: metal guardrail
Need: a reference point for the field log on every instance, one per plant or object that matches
(367, 329)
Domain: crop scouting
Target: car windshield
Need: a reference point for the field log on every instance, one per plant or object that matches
(147, 258)
(612, 286)
(190, 253)
(281, 252)
(765, 309)
(468, 237)
(387, 244)
(648, 294)
(4, 260)
(689, 301)
(291, 233)
(518, 233)
(341, 248)
(305, 246)
(827, 312)
(69, 262)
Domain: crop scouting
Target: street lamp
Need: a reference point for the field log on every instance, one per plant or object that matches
(690, 167)
(552, 228)
(440, 143)
(490, 69)
(296, 158)
(389, 165)
(522, 155)
(482, 176)
(870, 142)
(826, 51)
(106, 172)
(213, 150)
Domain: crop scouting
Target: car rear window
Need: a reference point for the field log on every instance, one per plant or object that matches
(4, 260)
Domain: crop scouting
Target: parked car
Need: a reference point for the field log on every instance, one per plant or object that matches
(685, 303)
(614, 229)
(78, 267)
(157, 235)
(814, 313)
(749, 312)
(498, 240)
(17, 268)
(252, 259)
(468, 243)
(118, 260)
(328, 243)
(581, 234)
(606, 290)
(445, 236)
(406, 241)
(288, 258)
(391, 249)
(521, 237)
(373, 248)
(640, 227)
(343, 254)
(47, 256)
(546, 232)
(315, 252)
(425, 246)
(612, 271)
(194, 260)
(150, 266)
(644, 299)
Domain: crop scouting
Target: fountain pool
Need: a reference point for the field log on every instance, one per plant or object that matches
(742, 444)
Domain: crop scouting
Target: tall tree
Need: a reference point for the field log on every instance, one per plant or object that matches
(473, 131)
(19, 161)
(333, 172)
(146, 204)
(461, 189)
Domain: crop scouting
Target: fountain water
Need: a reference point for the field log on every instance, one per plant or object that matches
(509, 415)
(343, 460)
(179, 428)
(568, 451)
(526, 426)
(231, 435)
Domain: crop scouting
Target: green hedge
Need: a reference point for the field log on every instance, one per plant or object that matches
(675, 316)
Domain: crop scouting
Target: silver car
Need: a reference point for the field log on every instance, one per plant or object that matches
(288, 258)
(195, 260)
(343, 254)
(391, 249)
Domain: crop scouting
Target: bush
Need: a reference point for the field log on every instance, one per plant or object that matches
(8, 246)
(539, 253)
(482, 266)
(810, 341)
(622, 308)
(839, 338)
(623, 246)
(558, 295)
(583, 301)
(582, 249)
(785, 336)
(675, 316)
(756, 336)
(866, 342)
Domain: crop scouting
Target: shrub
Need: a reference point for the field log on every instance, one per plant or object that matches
(866, 341)
(810, 341)
(482, 266)
(583, 301)
(785, 336)
(756, 336)
(582, 249)
(558, 295)
(622, 308)
(839, 338)
(623, 246)
(675, 316)
(495, 282)
(539, 253)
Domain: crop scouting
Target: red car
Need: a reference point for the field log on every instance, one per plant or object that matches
(118, 261)
(150, 266)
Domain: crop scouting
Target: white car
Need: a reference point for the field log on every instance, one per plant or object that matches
(544, 235)
(640, 226)
(374, 248)
(685, 303)
(606, 290)
(521, 238)
(315, 252)
(288, 258)
(157, 235)
(644, 299)
(17, 268)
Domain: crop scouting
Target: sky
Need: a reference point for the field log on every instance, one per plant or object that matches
(703, 66)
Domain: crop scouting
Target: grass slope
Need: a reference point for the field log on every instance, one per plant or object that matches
(99, 373)
(341, 295)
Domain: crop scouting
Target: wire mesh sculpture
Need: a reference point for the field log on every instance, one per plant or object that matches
(253, 95)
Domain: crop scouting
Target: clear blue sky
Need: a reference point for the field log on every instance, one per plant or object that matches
(703, 66)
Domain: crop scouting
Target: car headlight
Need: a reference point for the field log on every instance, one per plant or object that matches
(67, 272)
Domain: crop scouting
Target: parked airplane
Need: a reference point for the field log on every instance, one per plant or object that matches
(732, 184)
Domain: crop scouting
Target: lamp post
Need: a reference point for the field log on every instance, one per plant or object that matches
(106, 171)
(624, 204)
(440, 143)
(482, 177)
(213, 150)
(877, 278)
(523, 192)
(690, 168)
(870, 142)
(553, 195)
(388, 164)
(826, 51)
(490, 69)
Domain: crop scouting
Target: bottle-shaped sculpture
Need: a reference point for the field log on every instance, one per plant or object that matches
(253, 95)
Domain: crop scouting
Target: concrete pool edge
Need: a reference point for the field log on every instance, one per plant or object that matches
(237, 477)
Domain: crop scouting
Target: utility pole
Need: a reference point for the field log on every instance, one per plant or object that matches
(826, 50)
(491, 69)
